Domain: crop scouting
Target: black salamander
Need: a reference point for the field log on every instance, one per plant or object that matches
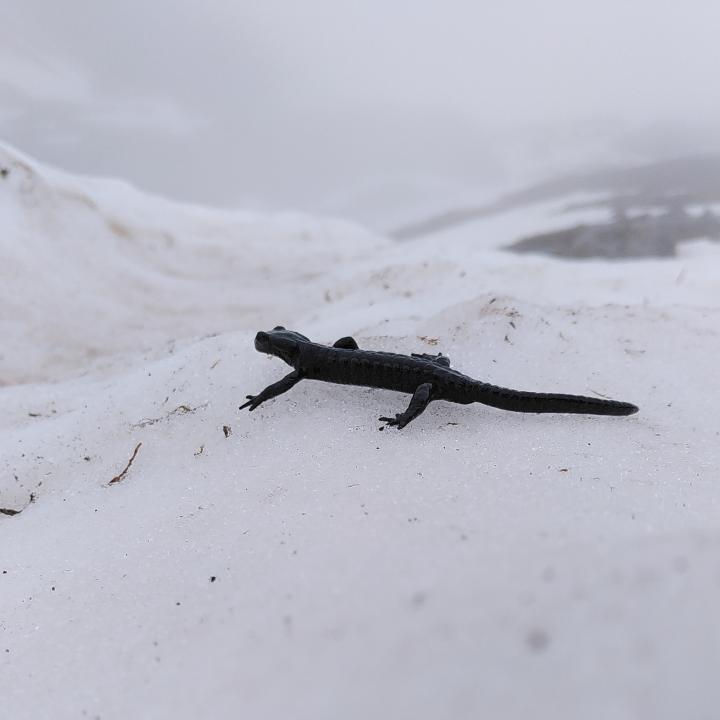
(425, 377)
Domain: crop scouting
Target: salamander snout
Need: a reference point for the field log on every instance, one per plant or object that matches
(262, 342)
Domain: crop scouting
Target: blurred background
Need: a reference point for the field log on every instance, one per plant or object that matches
(380, 112)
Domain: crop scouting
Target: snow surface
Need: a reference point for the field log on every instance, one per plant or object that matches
(297, 563)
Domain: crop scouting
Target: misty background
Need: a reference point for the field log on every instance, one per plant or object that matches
(360, 109)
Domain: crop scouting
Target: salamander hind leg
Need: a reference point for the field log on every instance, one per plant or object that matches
(420, 400)
(346, 343)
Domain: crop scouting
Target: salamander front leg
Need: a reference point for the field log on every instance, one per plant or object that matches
(420, 400)
(273, 390)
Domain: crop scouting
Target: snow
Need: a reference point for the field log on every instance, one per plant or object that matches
(295, 562)
(113, 270)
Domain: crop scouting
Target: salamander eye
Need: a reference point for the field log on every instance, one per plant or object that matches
(278, 327)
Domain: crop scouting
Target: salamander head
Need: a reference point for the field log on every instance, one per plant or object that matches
(280, 342)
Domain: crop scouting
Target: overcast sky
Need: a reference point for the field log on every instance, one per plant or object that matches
(286, 103)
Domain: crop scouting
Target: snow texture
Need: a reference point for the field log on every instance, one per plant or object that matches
(297, 563)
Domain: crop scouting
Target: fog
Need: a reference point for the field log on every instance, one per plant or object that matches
(299, 105)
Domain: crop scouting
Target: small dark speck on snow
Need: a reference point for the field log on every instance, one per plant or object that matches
(537, 640)
(429, 340)
(419, 599)
(12, 511)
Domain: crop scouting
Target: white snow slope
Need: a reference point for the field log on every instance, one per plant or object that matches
(297, 563)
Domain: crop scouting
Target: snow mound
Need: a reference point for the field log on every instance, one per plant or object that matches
(93, 267)
(165, 555)
(358, 569)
